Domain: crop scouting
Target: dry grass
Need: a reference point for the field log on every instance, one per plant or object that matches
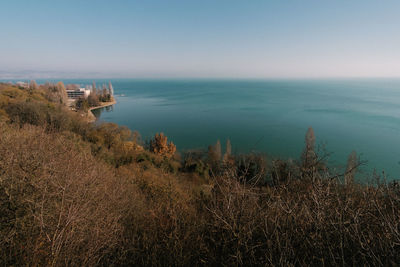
(60, 209)
(74, 195)
(61, 206)
(303, 223)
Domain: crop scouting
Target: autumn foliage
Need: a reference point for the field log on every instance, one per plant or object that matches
(160, 145)
(80, 194)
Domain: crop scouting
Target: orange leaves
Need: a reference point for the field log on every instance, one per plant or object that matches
(159, 145)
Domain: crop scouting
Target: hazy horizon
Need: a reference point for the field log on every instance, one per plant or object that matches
(81, 76)
(207, 39)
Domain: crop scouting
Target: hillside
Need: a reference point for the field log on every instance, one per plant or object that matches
(76, 193)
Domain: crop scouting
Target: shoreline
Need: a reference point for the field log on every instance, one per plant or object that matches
(91, 116)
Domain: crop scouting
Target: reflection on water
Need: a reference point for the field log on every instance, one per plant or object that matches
(97, 112)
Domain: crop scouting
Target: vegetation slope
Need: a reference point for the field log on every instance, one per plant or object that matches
(74, 193)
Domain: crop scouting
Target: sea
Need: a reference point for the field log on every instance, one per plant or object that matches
(270, 117)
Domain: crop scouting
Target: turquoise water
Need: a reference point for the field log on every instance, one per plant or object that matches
(269, 116)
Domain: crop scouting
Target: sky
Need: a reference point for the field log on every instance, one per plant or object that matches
(199, 39)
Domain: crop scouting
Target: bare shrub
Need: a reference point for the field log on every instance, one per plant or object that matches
(56, 92)
(352, 163)
(27, 112)
(61, 208)
(250, 168)
(312, 222)
(309, 157)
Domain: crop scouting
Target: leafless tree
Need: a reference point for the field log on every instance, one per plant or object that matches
(62, 93)
(110, 88)
(33, 85)
(352, 164)
(309, 157)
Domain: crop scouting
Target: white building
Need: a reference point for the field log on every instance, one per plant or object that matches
(78, 93)
(22, 84)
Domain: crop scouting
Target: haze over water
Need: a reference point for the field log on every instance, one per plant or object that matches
(218, 39)
(269, 116)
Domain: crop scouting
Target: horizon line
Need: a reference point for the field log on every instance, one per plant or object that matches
(196, 78)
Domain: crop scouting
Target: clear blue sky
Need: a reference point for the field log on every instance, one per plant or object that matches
(204, 38)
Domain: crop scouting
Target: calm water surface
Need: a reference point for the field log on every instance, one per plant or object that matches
(268, 116)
